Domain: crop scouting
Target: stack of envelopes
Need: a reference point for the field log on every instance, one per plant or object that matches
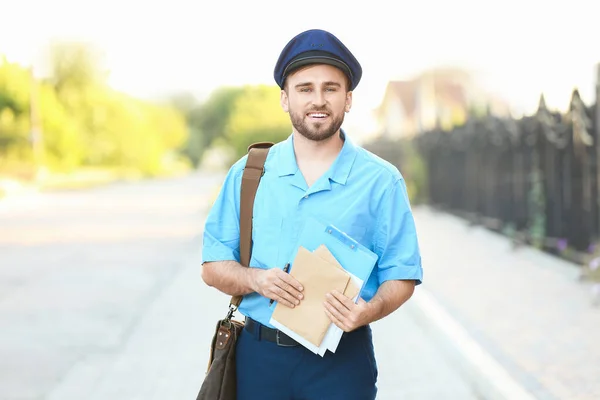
(319, 273)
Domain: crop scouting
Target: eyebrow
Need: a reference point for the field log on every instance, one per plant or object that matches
(328, 83)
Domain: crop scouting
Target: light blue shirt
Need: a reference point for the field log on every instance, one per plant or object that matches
(361, 194)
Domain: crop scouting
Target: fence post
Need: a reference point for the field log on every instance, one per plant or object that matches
(581, 201)
(596, 134)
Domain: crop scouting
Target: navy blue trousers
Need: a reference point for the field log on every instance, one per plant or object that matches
(266, 371)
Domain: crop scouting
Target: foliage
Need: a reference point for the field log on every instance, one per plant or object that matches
(64, 146)
(256, 117)
(206, 121)
(14, 105)
(233, 117)
(404, 155)
(84, 122)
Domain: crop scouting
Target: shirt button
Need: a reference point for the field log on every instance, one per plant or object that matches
(306, 197)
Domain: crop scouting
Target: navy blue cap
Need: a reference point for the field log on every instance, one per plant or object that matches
(317, 46)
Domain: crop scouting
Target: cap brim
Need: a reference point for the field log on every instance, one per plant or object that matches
(317, 59)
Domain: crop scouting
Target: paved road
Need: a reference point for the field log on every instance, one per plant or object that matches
(101, 298)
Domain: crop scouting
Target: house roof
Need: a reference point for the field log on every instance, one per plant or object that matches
(451, 92)
(405, 91)
(444, 88)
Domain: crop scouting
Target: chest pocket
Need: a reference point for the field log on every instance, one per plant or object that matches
(266, 236)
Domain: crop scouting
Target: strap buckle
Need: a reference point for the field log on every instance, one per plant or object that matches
(232, 309)
(278, 340)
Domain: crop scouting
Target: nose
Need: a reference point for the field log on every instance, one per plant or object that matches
(318, 98)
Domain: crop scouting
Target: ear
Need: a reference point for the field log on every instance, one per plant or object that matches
(348, 101)
(284, 100)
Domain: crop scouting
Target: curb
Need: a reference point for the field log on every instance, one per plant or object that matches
(489, 379)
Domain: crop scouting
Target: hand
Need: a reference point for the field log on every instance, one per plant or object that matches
(346, 314)
(279, 286)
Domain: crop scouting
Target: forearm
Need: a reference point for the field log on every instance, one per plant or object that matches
(229, 277)
(389, 297)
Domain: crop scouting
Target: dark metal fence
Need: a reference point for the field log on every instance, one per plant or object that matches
(535, 177)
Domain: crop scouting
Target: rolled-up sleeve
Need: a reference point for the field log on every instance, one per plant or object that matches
(221, 238)
(396, 241)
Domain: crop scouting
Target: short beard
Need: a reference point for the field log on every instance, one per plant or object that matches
(317, 132)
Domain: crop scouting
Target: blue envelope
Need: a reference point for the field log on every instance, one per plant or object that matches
(353, 256)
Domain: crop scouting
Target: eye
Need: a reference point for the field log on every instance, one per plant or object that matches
(331, 89)
(305, 90)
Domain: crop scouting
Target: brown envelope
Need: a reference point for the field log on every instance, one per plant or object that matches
(351, 289)
(318, 277)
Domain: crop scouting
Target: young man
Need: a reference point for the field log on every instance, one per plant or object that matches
(317, 172)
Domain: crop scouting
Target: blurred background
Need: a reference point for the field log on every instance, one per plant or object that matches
(119, 119)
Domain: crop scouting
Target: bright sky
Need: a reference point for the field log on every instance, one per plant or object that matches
(517, 48)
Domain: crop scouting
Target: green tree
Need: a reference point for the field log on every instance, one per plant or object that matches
(80, 87)
(207, 121)
(84, 122)
(64, 148)
(256, 116)
(75, 65)
(15, 88)
(114, 129)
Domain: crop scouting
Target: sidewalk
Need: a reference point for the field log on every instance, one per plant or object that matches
(527, 309)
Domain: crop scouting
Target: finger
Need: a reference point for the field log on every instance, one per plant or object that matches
(335, 304)
(336, 321)
(345, 300)
(336, 308)
(281, 293)
(288, 289)
(290, 280)
(282, 300)
(339, 305)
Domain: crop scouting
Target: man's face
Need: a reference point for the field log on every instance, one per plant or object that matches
(316, 98)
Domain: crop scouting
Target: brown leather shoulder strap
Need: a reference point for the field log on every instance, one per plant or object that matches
(253, 172)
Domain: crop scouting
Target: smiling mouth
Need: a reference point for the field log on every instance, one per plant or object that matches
(317, 115)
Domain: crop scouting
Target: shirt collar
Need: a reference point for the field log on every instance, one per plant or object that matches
(339, 171)
(344, 162)
(286, 162)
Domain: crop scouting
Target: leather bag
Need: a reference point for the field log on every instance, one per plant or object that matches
(220, 379)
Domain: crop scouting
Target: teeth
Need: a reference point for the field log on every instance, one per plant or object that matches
(318, 115)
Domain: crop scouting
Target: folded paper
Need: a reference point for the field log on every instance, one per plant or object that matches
(337, 251)
(352, 289)
(318, 277)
